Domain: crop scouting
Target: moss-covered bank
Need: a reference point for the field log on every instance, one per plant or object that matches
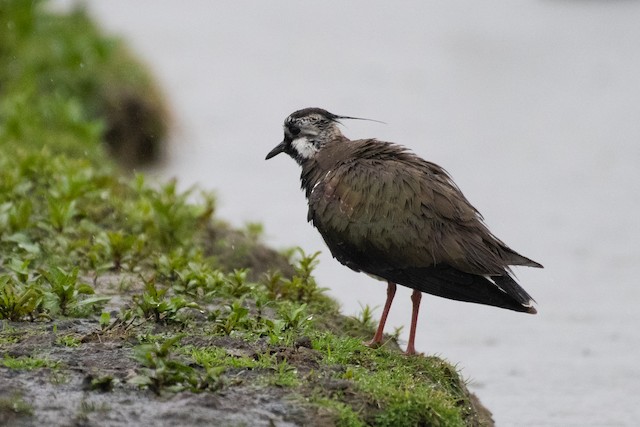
(51, 62)
(123, 304)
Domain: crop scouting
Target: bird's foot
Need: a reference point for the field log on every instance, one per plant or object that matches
(372, 344)
(411, 351)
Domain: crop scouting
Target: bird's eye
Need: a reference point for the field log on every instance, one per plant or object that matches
(294, 130)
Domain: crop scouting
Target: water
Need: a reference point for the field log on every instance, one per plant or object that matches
(532, 106)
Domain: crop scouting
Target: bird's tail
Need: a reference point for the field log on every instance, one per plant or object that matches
(507, 284)
(514, 258)
(444, 281)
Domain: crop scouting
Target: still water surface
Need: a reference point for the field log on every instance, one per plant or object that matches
(532, 106)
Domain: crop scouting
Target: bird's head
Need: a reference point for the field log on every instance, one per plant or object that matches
(306, 132)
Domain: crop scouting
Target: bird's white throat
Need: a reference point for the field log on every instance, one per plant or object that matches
(305, 148)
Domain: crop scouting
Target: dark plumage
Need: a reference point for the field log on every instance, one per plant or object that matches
(385, 211)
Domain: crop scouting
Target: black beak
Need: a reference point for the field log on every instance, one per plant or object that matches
(277, 150)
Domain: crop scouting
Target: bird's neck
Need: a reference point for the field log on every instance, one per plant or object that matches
(326, 159)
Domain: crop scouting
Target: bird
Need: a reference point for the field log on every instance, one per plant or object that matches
(385, 211)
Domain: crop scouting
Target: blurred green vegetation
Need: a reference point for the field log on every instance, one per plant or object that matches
(57, 72)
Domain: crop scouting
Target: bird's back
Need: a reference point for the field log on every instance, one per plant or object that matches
(385, 211)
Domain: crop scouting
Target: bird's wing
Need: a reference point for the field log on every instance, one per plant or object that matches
(399, 211)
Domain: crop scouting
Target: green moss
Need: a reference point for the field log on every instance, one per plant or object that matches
(268, 369)
(68, 341)
(163, 371)
(8, 339)
(418, 390)
(343, 414)
(28, 363)
(285, 375)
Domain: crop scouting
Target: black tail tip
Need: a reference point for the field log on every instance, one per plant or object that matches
(531, 310)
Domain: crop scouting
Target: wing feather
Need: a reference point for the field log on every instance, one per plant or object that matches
(396, 210)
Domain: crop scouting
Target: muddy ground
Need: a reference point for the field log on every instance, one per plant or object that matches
(65, 395)
(89, 379)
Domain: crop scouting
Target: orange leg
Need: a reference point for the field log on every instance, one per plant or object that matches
(377, 338)
(416, 296)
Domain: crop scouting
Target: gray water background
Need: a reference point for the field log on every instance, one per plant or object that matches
(532, 106)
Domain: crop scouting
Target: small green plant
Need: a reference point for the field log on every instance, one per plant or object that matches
(302, 287)
(273, 282)
(167, 217)
(27, 362)
(235, 317)
(19, 214)
(397, 331)
(68, 341)
(19, 301)
(197, 279)
(168, 264)
(238, 285)
(154, 304)
(307, 287)
(67, 295)
(274, 328)
(102, 383)
(8, 337)
(61, 212)
(219, 357)
(119, 249)
(254, 230)
(105, 320)
(285, 375)
(162, 371)
(365, 318)
(21, 269)
(295, 317)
